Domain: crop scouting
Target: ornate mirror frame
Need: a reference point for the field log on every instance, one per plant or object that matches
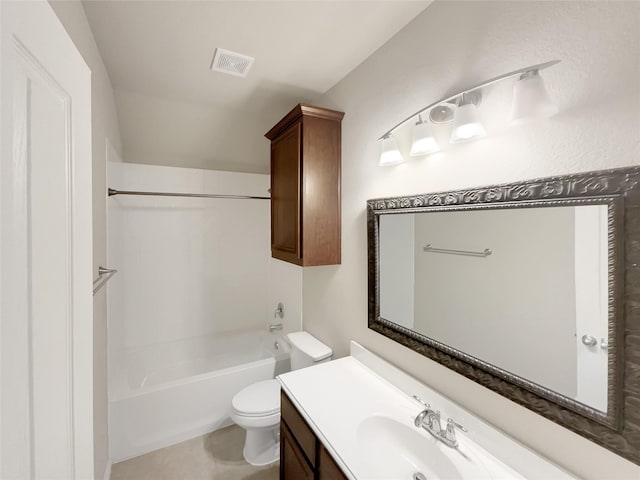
(618, 429)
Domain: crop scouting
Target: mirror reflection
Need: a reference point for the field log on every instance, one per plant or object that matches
(524, 289)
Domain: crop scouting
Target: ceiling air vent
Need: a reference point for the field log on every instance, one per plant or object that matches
(232, 63)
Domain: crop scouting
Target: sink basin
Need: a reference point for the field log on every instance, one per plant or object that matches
(393, 450)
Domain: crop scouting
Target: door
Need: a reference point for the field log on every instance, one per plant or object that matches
(285, 195)
(592, 281)
(46, 332)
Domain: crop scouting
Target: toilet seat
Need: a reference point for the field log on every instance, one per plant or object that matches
(261, 399)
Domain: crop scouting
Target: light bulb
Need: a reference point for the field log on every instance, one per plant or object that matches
(423, 142)
(466, 124)
(389, 152)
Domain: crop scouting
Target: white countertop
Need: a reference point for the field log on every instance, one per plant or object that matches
(337, 396)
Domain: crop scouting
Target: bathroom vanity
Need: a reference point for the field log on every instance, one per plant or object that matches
(354, 418)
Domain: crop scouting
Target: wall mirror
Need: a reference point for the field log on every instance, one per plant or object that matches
(531, 289)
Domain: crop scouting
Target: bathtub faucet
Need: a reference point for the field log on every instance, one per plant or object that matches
(275, 326)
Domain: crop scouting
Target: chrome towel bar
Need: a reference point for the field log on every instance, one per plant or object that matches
(104, 274)
(112, 191)
(485, 253)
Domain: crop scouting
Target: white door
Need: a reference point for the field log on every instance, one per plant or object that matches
(592, 307)
(46, 331)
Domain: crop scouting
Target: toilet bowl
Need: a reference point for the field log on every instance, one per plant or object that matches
(256, 408)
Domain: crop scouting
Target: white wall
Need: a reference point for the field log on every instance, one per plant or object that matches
(190, 267)
(449, 46)
(105, 135)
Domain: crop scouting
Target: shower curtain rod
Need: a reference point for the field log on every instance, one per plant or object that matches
(112, 192)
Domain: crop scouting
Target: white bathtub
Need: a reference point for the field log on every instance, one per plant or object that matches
(169, 393)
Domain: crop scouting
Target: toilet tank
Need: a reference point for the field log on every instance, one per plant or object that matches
(306, 350)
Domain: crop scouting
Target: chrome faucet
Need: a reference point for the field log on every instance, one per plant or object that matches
(430, 420)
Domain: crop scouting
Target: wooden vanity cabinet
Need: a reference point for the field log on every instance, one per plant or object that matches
(302, 455)
(305, 186)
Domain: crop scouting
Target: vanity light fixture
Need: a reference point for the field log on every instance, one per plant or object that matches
(423, 142)
(389, 152)
(466, 123)
(530, 100)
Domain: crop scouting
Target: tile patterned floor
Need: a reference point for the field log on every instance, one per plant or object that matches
(215, 456)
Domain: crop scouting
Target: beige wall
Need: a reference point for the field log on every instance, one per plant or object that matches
(497, 308)
(397, 244)
(449, 46)
(105, 131)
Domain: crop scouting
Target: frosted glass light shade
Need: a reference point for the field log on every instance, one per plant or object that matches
(423, 142)
(389, 153)
(531, 99)
(466, 124)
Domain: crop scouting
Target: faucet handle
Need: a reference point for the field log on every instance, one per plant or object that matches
(425, 404)
(450, 434)
(451, 424)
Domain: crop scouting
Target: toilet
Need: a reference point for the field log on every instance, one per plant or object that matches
(256, 408)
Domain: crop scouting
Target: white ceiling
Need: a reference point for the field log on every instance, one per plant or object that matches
(173, 110)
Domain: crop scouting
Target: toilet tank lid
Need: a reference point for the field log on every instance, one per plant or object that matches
(310, 345)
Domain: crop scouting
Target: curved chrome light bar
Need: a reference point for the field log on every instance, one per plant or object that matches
(453, 98)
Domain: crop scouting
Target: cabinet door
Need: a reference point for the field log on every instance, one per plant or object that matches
(285, 195)
(293, 463)
(327, 467)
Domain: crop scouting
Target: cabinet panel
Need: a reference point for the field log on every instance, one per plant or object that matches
(285, 194)
(293, 464)
(327, 467)
(299, 428)
(321, 191)
(302, 455)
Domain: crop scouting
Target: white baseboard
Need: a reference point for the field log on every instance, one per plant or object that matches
(107, 470)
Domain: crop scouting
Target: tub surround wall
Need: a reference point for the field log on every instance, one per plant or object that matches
(190, 267)
(105, 143)
(187, 266)
(285, 285)
(449, 46)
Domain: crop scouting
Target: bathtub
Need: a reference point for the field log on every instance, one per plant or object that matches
(168, 393)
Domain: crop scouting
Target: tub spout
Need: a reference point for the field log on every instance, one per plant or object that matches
(275, 326)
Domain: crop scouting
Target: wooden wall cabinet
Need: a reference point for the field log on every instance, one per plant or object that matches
(302, 455)
(305, 186)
